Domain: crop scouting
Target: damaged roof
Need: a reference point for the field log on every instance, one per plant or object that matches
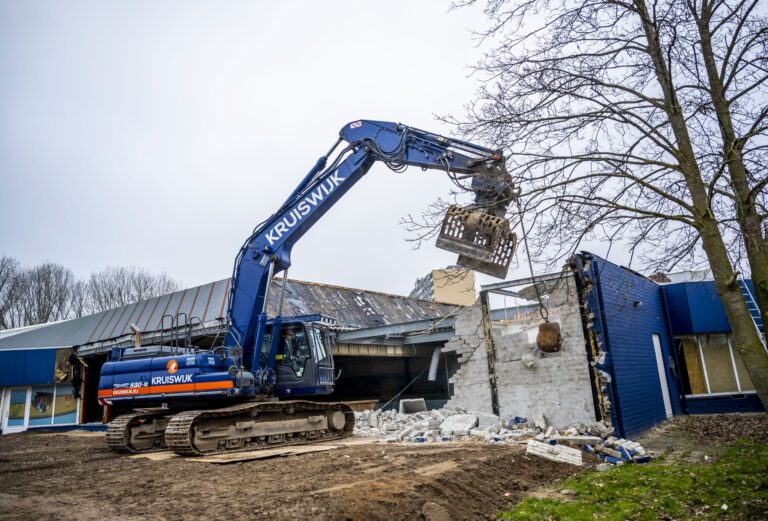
(352, 308)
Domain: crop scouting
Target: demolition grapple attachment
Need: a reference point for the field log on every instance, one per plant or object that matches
(483, 241)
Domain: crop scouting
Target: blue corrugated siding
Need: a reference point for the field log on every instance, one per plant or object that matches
(627, 331)
(27, 367)
(695, 308)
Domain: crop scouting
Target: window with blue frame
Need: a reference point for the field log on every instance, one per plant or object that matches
(711, 366)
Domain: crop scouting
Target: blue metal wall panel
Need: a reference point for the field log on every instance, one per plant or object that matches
(678, 309)
(723, 404)
(27, 367)
(695, 308)
(631, 312)
(707, 313)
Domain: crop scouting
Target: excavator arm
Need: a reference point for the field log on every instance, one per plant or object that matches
(479, 233)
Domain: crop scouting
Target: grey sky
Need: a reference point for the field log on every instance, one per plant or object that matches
(158, 134)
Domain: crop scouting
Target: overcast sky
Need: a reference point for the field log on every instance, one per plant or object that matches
(157, 134)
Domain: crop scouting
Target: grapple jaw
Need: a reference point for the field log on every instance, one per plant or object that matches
(483, 241)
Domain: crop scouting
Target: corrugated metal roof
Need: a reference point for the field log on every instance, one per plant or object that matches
(352, 308)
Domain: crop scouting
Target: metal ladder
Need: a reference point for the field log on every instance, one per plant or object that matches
(754, 311)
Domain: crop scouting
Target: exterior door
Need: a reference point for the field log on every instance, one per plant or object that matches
(15, 412)
(662, 375)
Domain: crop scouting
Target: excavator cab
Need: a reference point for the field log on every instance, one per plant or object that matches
(303, 361)
(483, 241)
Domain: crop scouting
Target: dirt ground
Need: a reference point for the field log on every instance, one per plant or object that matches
(74, 476)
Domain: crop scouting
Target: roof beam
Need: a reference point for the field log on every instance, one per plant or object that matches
(520, 282)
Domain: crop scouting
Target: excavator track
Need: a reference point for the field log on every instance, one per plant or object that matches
(257, 425)
(140, 431)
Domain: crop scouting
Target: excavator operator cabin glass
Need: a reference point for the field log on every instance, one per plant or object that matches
(295, 349)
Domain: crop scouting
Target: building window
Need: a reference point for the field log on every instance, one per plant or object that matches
(17, 404)
(65, 410)
(712, 366)
(40, 406)
(41, 410)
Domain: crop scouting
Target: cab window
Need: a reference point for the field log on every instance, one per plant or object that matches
(293, 349)
(321, 350)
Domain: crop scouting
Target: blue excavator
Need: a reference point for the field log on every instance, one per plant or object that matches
(255, 390)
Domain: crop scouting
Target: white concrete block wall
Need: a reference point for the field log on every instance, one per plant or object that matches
(556, 386)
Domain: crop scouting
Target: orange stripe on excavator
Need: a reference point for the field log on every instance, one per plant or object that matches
(166, 389)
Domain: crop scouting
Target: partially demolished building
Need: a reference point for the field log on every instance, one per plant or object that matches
(633, 352)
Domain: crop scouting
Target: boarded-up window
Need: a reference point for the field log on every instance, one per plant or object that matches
(695, 372)
(712, 366)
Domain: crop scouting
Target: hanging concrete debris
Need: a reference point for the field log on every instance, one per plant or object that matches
(549, 339)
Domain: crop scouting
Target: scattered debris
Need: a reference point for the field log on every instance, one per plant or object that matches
(456, 424)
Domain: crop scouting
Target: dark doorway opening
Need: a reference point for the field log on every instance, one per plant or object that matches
(93, 411)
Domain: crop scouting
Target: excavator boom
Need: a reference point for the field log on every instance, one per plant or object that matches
(218, 400)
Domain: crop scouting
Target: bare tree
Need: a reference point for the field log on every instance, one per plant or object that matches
(45, 293)
(640, 123)
(79, 299)
(10, 272)
(50, 292)
(118, 286)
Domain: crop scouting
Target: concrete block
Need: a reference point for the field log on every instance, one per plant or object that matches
(602, 467)
(485, 420)
(405, 433)
(412, 406)
(458, 422)
(373, 419)
(560, 453)
(477, 434)
(437, 415)
(609, 452)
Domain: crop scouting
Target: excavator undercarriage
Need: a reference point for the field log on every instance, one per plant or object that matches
(249, 425)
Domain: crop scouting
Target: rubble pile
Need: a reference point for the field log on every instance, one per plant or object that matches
(455, 424)
(448, 424)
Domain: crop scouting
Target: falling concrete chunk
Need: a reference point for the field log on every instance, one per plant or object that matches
(412, 406)
(458, 423)
(560, 453)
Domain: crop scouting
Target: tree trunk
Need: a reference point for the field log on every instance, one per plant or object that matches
(745, 336)
(746, 209)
